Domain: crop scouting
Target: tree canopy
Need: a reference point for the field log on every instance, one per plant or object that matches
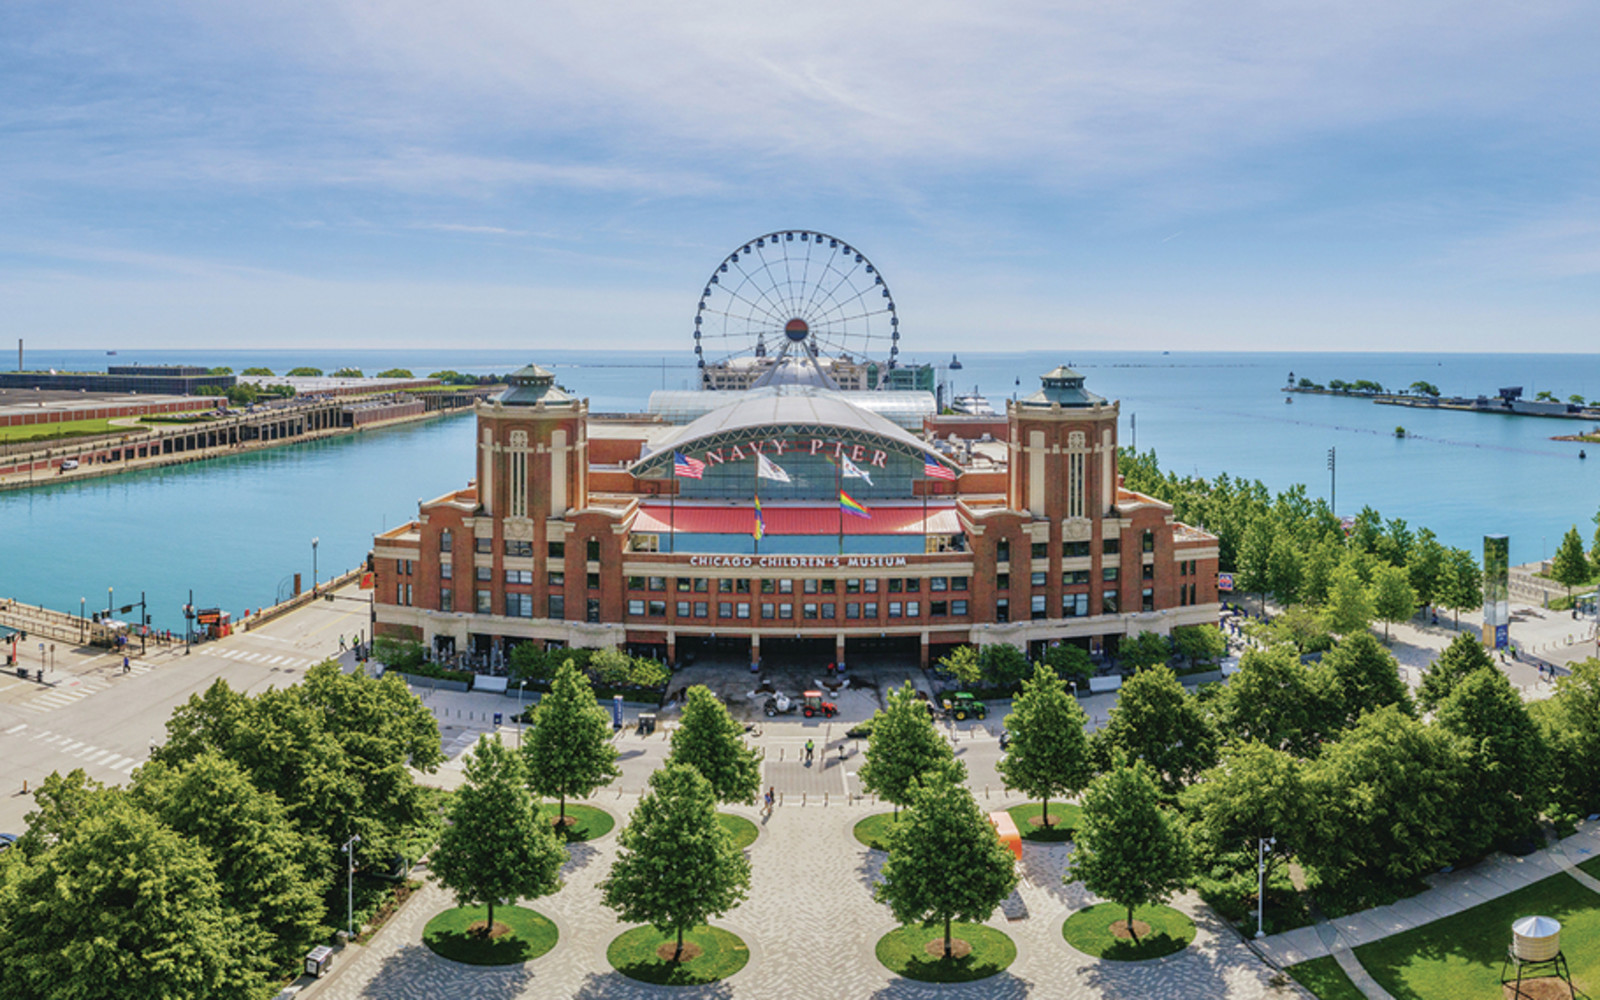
(1272, 699)
(1129, 849)
(1154, 721)
(569, 752)
(1570, 566)
(902, 747)
(1464, 655)
(1507, 762)
(1357, 676)
(709, 740)
(1048, 755)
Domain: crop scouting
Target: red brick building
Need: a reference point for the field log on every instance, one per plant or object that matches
(585, 531)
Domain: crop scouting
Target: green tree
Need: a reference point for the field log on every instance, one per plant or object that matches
(267, 372)
(1507, 762)
(676, 867)
(1424, 388)
(220, 370)
(945, 862)
(1316, 574)
(1254, 794)
(1154, 721)
(1255, 556)
(648, 673)
(1129, 849)
(610, 666)
(1147, 649)
(1393, 600)
(1003, 664)
(1464, 655)
(1570, 723)
(1545, 396)
(1200, 643)
(1349, 609)
(569, 752)
(1576, 399)
(1570, 567)
(710, 741)
(267, 870)
(1049, 753)
(1070, 662)
(121, 908)
(396, 373)
(1383, 800)
(1297, 626)
(1272, 700)
(1425, 566)
(1358, 676)
(903, 746)
(1462, 588)
(348, 373)
(304, 372)
(495, 847)
(962, 663)
(1367, 531)
(1285, 569)
(1395, 545)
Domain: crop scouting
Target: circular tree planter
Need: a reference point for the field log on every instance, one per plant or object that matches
(917, 952)
(709, 954)
(743, 831)
(874, 831)
(1064, 820)
(1101, 931)
(519, 935)
(583, 822)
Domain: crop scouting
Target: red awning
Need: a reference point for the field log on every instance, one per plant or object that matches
(693, 519)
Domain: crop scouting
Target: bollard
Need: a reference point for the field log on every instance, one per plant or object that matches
(803, 798)
(24, 786)
(824, 798)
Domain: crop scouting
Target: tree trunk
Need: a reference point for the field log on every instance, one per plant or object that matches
(1131, 932)
(488, 924)
(679, 952)
(1044, 819)
(946, 937)
(563, 807)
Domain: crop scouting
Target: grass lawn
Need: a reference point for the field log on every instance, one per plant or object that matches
(1591, 867)
(530, 935)
(744, 832)
(592, 821)
(1459, 956)
(64, 429)
(1323, 977)
(904, 952)
(1089, 931)
(874, 830)
(1065, 818)
(721, 954)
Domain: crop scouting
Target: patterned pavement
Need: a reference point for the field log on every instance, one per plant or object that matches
(811, 925)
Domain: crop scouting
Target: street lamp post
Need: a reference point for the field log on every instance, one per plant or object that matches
(1261, 883)
(350, 887)
(111, 604)
(522, 684)
(313, 565)
(82, 628)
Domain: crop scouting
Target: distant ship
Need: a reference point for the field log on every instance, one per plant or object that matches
(973, 404)
(955, 363)
(111, 352)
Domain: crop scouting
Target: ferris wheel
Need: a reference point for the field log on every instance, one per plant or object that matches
(796, 289)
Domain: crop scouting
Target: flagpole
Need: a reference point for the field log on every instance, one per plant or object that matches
(760, 528)
(672, 515)
(926, 485)
(838, 489)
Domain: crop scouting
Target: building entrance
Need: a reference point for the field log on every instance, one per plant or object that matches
(792, 651)
(713, 650)
(885, 651)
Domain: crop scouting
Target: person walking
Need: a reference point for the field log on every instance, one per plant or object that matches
(341, 642)
(124, 664)
(811, 749)
(770, 798)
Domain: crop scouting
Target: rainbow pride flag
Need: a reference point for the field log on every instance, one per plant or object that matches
(761, 527)
(849, 506)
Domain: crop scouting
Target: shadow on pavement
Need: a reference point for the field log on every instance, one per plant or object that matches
(415, 972)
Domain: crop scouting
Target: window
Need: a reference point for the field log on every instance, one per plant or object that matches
(636, 607)
(852, 609)
(408, 595)
(1039, 550)
(682, 584)
(485, 573)
(724, 609)
(1108, 602)
(519, 576)
(1183, 595)
(938, 609)
(741, 586)
(445, 540)
(635, 583)
(1149, 541)
(519, 605)
(785, 610)
(1074, 605)
(592, 550)
(446, 600)
(483, 546)
(556, 550)
(852, 586)
(869, 586)
(558, 579)
(958, 607)
(1002, 581)
(658, 583)
(1074, 577)
(701, 609)
(725, 586)
(958, 583)
(808, 612)
(591, 610)
(558, 607)
(1109, 574)
(519, 548)
(913, 609)
(1183, 568)
(1149, 571)
(1075, 550)
(592, 581)
(913, 585)
(828, 586)
(447, 570)
(897, 586)
(1036, 606)
(896, 609)
(1149, 599)
(701, 584)
(1191, 593)
(869, 609)
(742, 610)
(1036, 579)
(768, 609)
(642, 542)
(810, 586)
(485, 602)
(1002, 610)
(658, 609)
(785, 586)
(830, 610)
(1002, 550)
(1111, 546)
(939, 583)
(769, 586)
(683, 609)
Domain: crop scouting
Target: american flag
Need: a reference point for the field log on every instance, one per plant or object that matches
(937, 470)
(688, 468)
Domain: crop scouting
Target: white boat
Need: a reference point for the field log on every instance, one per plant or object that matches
(973, 404)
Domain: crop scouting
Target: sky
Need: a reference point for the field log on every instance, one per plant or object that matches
(1346, 175)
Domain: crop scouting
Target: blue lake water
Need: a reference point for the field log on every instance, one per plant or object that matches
(237, 529)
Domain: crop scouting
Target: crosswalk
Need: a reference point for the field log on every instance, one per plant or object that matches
(60, 697)
(264, 659)
(78, 750)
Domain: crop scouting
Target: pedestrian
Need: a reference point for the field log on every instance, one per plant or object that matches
(341, 642)
(124, 664)
(811, 748)
(770, 798)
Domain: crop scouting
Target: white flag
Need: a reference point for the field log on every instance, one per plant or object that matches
(851, 472)
(767, 469)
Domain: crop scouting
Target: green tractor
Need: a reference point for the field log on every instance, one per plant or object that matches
(963, 706)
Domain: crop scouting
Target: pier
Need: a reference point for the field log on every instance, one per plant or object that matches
(1507, 402)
